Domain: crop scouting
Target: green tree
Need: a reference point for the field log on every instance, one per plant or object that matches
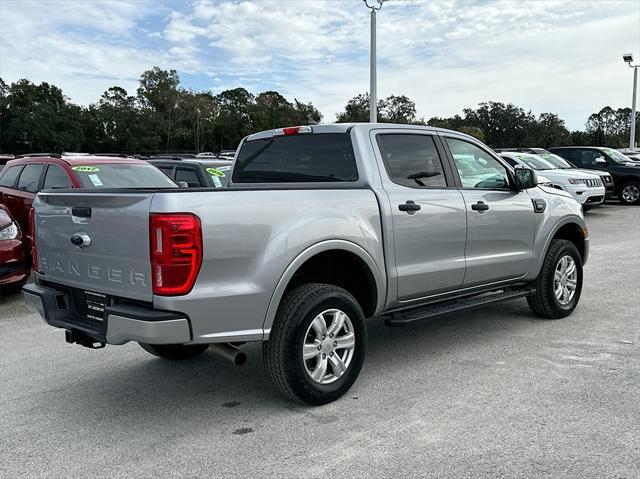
(159, 94)
(393, 109)
(39, 118)
(549, 130)
(356, 110)
(235, 120)
(502, 125)
(114, 123)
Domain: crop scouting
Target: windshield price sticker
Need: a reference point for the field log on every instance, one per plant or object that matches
(85, 169)
(215, 172)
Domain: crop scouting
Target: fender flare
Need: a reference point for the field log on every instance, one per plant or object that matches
(328, 245)
(579, 222)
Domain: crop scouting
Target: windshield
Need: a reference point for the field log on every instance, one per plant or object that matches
(121, 175)
(535, 162)
(616, 156)
(219, 175)
(556, 161)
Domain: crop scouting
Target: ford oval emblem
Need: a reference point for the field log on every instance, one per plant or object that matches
(81, 240)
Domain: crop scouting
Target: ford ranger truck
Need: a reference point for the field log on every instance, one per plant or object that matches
(321, 228)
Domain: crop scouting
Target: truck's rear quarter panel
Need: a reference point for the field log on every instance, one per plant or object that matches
(250, 238)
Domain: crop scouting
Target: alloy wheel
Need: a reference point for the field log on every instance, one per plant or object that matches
(565, 280)
(329, 344)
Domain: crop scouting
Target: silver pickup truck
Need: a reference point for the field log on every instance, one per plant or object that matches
(321, 227)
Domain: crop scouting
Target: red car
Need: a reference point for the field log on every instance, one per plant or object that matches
(13, 266)
(21, 179)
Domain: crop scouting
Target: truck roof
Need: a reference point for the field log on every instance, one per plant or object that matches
(345, 127)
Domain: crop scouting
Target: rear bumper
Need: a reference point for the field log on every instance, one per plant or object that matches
(121, 324)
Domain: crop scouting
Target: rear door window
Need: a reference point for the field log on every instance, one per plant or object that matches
(9, 176)
(588, 157)
(30, 177)
(412, 160)
(320, 157)
(56, 177)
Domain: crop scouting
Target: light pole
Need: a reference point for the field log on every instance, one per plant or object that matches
(373, 90)
(628, 59)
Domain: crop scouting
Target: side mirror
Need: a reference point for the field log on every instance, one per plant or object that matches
(600, 160)
(525, 178)
(183, 184)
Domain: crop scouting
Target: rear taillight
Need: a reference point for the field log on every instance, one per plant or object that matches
(31, 235)
(176, 252)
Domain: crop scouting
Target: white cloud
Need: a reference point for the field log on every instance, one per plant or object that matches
(180, 29)
(555, 56)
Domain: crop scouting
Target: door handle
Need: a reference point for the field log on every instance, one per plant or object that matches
(410, 207)
(480, 206)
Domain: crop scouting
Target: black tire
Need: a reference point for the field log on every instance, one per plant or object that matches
(282, 353)
(629, 184)
(544, 301)
(175, 352)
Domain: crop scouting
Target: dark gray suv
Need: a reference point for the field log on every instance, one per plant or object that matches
(625, 172)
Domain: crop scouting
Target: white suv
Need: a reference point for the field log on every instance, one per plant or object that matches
(586, 188)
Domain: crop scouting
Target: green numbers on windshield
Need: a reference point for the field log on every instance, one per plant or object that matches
(85, 169)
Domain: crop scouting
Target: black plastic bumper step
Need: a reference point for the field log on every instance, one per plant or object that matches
(410, 316)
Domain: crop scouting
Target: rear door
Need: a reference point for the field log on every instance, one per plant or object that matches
(113, 256)
(428, 213)
(500, 221)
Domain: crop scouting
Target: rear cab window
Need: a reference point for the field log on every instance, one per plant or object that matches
(121, 175)
(319, 157)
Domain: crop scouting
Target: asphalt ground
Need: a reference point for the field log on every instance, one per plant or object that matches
(489, 393)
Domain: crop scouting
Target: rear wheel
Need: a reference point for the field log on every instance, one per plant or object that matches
(559, 283)
(317, 344)
(629, 193)
(175, 351)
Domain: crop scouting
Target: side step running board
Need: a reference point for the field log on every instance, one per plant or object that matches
(410, 316)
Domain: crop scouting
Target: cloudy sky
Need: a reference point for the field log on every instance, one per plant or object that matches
(558, 56)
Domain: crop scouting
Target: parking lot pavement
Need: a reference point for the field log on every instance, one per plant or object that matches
(489, 393)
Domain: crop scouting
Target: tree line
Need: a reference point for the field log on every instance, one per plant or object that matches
(164, 117)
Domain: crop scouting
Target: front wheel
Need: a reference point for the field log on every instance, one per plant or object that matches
(175, 351)
(317, 344)
(629, 193)
(559, 283)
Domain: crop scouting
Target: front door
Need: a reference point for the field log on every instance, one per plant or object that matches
(428, 215)
(500, 221)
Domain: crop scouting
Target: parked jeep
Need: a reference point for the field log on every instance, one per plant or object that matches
(320, 228)
(625, 171)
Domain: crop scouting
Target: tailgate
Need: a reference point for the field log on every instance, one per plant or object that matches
(95, 241)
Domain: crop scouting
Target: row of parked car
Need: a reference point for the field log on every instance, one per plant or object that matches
(590, 174)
